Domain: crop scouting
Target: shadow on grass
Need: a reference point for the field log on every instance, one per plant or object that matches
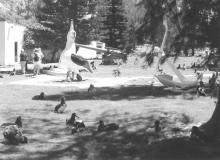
(51, 140)
(128, 144)
(107, 93)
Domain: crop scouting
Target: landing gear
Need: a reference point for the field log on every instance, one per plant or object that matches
(70, 77)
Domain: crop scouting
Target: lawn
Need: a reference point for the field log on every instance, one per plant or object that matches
(129, 102)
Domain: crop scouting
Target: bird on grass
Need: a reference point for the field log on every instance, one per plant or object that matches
(91, 89)
(107, 127)
(13, 72)
(18, 123)
(13, 132)
(77, 125)
(59, 108)
(41, 96)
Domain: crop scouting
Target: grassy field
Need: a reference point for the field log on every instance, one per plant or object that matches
(134, 107)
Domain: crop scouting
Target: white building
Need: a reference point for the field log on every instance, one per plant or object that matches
(11, 41)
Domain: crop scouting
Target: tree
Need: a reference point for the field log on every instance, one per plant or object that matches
(200, 23)
(97, 22)
(195, 21)
(21, 12)
(212, 127)
(188, 21)
(115, 24)
(56, 15)
(134, 15)
(109, 22)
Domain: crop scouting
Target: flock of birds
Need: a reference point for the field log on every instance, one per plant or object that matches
(13, 134)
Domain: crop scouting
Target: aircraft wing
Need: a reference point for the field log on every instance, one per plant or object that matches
(81, 62)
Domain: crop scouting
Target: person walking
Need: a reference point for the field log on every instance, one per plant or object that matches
(23, 61)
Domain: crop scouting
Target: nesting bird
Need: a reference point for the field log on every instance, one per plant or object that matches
(41, 96)
(59, 108)
(13, 132)
(108, 127)
(77, 125)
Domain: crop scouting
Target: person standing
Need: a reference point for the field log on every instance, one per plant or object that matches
(26, 65)
(38, 55)
(23, 61)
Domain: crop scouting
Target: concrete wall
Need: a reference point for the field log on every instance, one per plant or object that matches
(12, 41)
(2, 42)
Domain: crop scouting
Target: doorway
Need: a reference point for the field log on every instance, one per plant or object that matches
(16, 51)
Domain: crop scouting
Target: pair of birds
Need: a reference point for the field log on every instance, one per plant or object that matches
(59, 108)
(79, 125)
(42, 95)
(13, 132)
